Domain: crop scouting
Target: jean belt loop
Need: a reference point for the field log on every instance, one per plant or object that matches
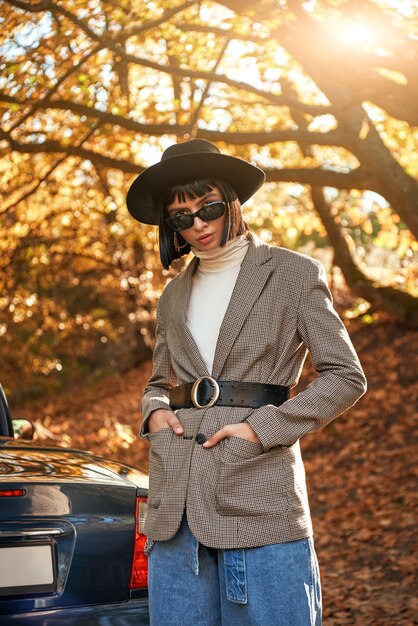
(235, 575)
(193, 554)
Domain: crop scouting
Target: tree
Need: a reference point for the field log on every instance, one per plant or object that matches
(93, 90)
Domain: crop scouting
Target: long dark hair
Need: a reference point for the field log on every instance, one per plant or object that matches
(234, 223)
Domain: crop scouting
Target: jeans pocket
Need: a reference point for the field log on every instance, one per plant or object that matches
(158, 454)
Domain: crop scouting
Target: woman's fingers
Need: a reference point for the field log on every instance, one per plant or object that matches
(175, 424)
(242, 430)
(163, 418)
(216, 437)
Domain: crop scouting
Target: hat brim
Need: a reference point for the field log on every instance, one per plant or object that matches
(145, 191)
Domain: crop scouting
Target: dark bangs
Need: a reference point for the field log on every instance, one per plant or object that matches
(234, 223)
(188, 191)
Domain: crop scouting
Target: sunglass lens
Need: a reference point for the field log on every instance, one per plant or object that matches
(212, 211)
(181, 222)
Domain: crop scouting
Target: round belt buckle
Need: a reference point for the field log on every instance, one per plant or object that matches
(195, 389)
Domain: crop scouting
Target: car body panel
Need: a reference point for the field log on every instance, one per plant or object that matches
(51, 463)
(132, 613)
(75, 510)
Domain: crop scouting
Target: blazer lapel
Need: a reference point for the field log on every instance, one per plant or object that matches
(254, 272)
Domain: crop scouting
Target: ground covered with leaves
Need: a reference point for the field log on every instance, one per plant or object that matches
(361, 470)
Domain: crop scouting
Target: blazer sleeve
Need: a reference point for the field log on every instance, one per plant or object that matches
(156, 393)
(340, 380)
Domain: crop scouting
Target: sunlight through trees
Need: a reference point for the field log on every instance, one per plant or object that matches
(322, 95)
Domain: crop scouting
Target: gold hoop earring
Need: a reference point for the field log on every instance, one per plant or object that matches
(177, 246)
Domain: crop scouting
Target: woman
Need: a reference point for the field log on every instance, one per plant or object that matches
(230, 534)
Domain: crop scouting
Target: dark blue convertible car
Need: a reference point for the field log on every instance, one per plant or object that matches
(71, 548)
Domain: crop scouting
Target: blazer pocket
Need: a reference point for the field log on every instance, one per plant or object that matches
(236, 448)
(158, 455)
(251, 486)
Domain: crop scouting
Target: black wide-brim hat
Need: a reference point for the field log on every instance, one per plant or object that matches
(186, 162)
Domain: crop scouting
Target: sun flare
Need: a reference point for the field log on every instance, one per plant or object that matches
(357, 34)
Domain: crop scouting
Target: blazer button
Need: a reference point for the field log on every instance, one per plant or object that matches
(201, 438)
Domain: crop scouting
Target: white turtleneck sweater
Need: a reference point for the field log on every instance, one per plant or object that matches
(212, 286)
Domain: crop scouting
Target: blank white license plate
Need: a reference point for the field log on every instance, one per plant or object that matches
(25, 569)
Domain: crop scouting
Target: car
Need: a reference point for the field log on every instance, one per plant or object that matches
(71, 546)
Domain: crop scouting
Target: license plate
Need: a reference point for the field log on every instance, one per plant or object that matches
(26, 569)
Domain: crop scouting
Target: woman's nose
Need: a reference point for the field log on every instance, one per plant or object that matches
(198, 223)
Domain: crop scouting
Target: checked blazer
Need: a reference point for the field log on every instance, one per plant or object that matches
(239, 493)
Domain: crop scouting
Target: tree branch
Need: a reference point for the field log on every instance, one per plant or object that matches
(316, 176)
(333, 137)
(37, 104)
(356, 179)
(35, 187)
(143, 28)
(195, 117)
(39, 182)
(51, 146)
(399, 304)
(221, 32)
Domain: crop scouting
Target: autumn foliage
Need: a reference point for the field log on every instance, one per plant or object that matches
(322, 95)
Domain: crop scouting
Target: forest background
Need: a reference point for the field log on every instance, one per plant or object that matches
(322, 95)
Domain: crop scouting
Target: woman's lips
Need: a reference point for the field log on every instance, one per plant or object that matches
(205, 238)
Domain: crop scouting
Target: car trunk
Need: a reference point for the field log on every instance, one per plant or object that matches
(74, 539)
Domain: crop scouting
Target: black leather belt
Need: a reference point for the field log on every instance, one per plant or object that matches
(206, 392)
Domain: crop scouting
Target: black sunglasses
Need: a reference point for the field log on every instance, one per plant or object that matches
(208, 212)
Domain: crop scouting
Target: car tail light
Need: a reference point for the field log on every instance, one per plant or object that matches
(139, 574)
(12, 493)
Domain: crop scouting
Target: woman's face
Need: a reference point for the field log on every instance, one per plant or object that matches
(202, 235)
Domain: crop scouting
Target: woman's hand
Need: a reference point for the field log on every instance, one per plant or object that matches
(164, 418)
(242, 430)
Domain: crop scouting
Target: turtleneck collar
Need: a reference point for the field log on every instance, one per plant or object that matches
(225, 258)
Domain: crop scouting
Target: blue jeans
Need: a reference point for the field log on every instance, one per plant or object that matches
(274, 585)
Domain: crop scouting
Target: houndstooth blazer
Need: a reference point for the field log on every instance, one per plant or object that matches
(240, 493)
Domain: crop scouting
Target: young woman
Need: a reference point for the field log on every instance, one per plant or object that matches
(230, 534)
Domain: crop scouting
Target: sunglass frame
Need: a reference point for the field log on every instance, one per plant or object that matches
(190, 217)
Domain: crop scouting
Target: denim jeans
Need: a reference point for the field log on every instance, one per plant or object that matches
(273, 585)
